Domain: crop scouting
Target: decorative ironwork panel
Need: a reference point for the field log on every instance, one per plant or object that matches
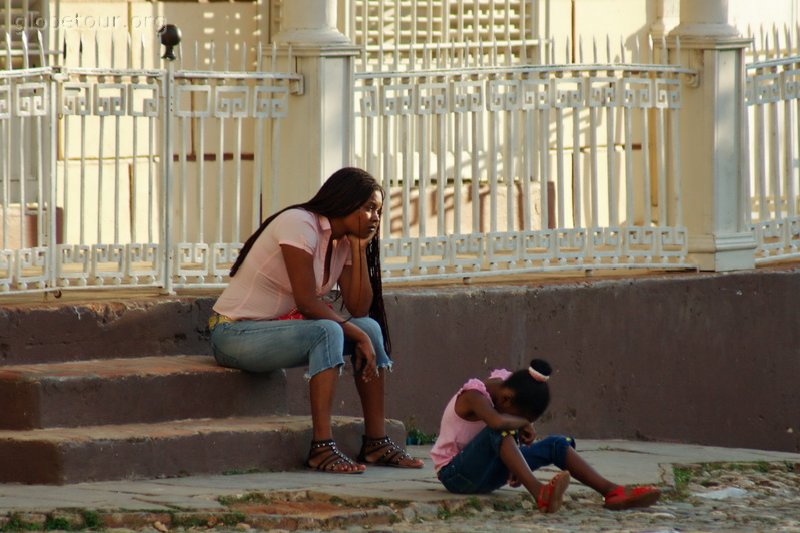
(432, 98)
(5, 101)
(31, 268)
(398, 99)
(192, 262)
(198, 98)
(568, 93)
(76, 98)
(605, 243)
(764, 88)
(270, 101)
(433, 253)
(110, 99)
(504, 95)
(143, 263)
(603, 91)
(668, 93)
(536, 93)
(398, 255)
(143, 99)
(637, 93)
(31, 99)
(539, 247)
(468, 96)
(107, 264)
(468, 252)
(368, 101)
(231, 101)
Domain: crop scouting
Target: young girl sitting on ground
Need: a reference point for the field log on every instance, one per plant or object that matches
(486, 440)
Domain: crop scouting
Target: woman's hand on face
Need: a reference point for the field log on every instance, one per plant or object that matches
(365, 361)
(357, 243)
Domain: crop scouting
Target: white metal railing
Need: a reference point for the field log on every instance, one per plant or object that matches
(524, 168)
(88, 197)
(773, 157)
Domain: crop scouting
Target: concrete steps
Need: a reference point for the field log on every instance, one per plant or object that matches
(166, 449)
(127, 389)
(133, 390)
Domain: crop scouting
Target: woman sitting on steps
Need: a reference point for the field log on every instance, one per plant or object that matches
(272, 314)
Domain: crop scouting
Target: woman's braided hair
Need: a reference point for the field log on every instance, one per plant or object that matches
(345, 191)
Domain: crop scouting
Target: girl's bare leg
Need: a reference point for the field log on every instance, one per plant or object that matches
(518, 467)
(583, 472)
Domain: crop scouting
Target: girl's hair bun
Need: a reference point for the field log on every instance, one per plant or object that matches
(541, 366)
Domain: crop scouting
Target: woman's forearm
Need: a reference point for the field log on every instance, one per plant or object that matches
(357, 289)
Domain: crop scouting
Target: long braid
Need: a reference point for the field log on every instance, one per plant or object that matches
(254, 237)
(377, 310)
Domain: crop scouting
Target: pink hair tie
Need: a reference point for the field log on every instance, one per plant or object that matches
(538, 376)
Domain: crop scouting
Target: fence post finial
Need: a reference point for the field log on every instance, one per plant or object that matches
(170, 38)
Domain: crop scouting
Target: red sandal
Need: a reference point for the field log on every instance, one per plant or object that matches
(626, 497)
(552, 495)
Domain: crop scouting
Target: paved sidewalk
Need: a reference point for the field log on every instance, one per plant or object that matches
(141, 503)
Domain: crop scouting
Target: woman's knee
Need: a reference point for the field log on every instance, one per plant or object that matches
(327, 350)
(373, 330)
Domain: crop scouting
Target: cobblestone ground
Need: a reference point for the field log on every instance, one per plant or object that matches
(753, 497)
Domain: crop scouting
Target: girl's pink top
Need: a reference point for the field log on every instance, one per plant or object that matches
(260, 290)
(455, 432)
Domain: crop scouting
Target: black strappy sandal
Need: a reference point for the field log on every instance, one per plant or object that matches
(388, 453)
(332, 461)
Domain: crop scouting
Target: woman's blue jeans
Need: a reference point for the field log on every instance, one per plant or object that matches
(478, 469)
(266, 345)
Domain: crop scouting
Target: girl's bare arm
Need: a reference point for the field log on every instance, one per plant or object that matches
(472, 405)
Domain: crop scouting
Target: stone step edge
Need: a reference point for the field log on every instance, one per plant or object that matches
(187, 447)
(118, 367)
(173, 428)
(134, 390)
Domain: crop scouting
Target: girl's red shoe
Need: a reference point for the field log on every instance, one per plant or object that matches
(625, 497)
(552, 494)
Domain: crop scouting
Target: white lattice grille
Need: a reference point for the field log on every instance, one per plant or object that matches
(773, 159)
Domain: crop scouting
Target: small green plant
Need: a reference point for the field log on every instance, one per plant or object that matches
(762, 466)
(414, 435)
(417, 436)
(231, 519)
(506, 505)
(683, 476)
(16, 523)
(473, 502)
(57, 523)
(91, 520)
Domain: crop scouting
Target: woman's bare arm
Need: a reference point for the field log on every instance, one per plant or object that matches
(354, 280)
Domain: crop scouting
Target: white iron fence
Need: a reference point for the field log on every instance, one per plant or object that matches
(119, 176)
(523, 168)
(773, 102)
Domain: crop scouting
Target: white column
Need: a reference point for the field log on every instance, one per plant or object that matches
(666, 18)
(712, 120)
(316, 138)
